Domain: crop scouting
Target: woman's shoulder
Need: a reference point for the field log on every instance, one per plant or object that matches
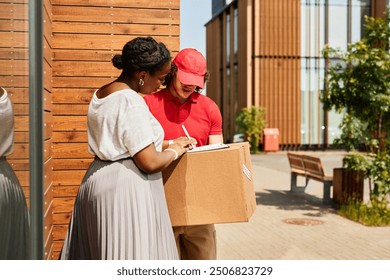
(3, 94)
(123, 95)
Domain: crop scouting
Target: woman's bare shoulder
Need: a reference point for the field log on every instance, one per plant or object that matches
(110, 88)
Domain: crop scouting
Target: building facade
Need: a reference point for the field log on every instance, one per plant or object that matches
(268, 53)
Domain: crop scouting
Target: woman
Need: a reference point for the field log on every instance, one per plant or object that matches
(120, 210)
(14, 215)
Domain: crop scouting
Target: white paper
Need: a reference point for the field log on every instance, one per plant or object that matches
(209, 148)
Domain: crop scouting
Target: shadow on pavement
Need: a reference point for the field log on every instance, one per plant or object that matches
(286, 200)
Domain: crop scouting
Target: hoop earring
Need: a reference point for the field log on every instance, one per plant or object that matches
(141, 82)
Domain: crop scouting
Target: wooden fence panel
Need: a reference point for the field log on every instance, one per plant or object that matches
(86, 34)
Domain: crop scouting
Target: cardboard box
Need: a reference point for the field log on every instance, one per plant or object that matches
(211, 187)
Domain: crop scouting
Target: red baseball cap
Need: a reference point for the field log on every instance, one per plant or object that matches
(191, 67)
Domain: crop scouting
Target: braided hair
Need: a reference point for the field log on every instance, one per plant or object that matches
(142, 54)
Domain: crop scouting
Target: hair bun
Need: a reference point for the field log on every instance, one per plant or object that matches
(117, 61)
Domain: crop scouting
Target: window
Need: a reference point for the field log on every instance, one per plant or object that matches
(333, 22)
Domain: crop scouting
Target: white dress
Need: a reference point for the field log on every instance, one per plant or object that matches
(14, 215)
(120, 212)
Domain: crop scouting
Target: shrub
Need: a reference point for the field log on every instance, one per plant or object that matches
(251, 122)
(376, 214)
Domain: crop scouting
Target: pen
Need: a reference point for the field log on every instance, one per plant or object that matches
(188, 136)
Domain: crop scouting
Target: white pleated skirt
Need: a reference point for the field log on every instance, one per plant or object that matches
(14, 216)
(120, 213)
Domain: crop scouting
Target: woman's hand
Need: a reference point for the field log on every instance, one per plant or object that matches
(149, 160)
(184, 141)
(182, 145)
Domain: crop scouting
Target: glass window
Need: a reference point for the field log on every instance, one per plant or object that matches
(304, 25)
(312, 65)
(360, 8)
(338, 24)
(235, 90)
(227, 108)
(341, 25)
(304, 103)
(228, 39)
(312, 70)
(314, 111)
(235, 34)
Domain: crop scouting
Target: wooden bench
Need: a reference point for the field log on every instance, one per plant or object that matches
(311, 168)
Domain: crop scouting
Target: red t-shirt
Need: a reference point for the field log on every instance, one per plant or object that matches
(199, 114)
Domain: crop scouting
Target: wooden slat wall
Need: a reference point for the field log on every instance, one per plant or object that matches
(279, 63)
(86, 34)
(48, 128)
(14, 78)
(379, 7)
(213, 58)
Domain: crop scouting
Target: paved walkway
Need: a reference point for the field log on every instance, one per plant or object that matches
(268, 236)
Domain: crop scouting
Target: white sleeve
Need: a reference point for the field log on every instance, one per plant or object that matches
(136, 128)
(7, 125)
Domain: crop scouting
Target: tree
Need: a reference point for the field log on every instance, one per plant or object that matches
(358, 83)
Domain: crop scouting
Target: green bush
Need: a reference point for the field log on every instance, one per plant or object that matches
(251, 122)
(376, 214)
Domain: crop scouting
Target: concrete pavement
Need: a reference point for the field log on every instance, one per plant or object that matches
(315, 231)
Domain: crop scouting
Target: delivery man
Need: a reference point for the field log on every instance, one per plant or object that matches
(181, 104)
